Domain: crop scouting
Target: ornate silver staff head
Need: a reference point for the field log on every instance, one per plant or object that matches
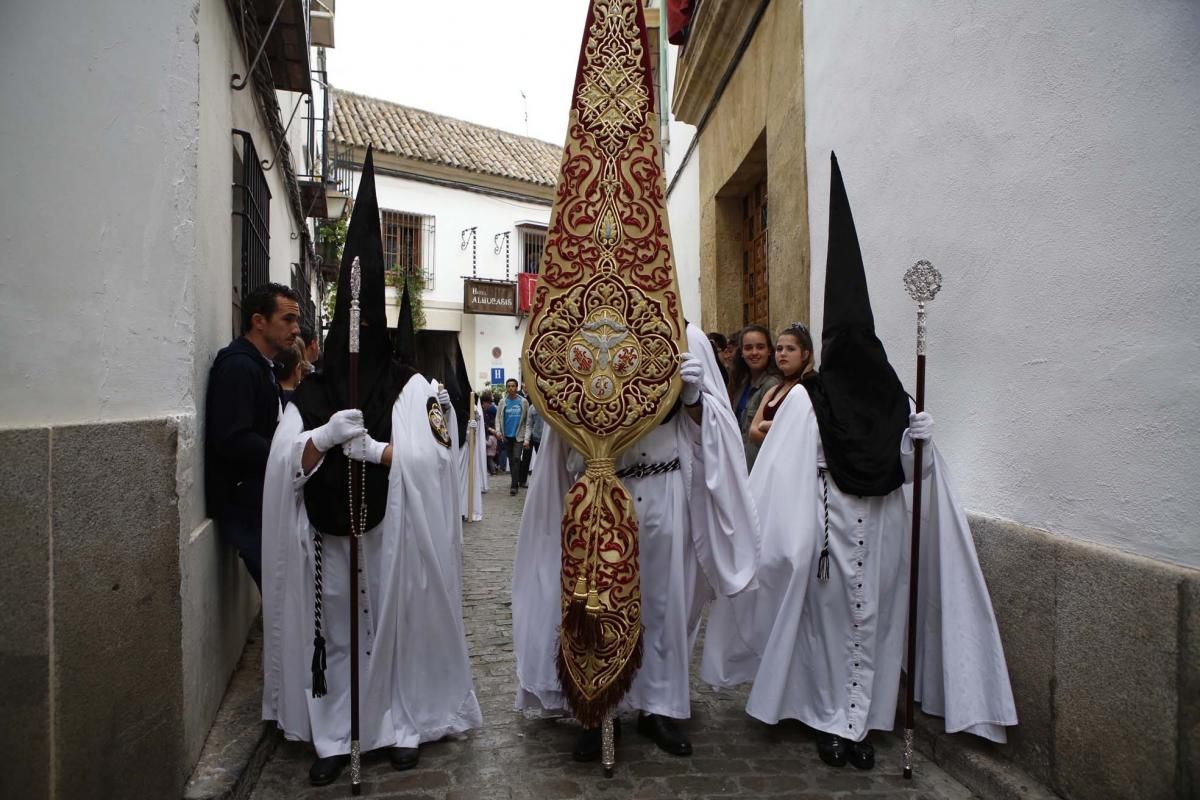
(922, 281)
(355, 314)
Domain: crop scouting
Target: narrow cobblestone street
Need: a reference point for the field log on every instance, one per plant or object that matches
(517, 758)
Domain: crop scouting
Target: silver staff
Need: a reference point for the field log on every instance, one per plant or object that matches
(922, 283)
(358, 503)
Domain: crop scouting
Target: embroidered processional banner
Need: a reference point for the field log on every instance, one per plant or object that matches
(605, 335)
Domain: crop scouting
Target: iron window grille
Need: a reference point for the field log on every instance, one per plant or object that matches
(408, 244)
(252, 208)
(302, 287)
(533, 244)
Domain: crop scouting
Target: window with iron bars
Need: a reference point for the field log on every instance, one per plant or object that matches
(302, 287)
(408, 244)
(252, 225)
(533, 244)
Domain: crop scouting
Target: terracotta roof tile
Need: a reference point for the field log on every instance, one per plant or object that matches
(425, 136)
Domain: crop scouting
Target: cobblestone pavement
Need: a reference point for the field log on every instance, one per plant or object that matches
(517, 758)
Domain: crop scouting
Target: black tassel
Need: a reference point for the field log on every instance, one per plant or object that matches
(823, 565)
(592, 635)
(318, 660)
(573, 620)
(318, 667)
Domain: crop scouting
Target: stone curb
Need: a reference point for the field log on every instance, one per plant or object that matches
(973, 762)
(239, 742)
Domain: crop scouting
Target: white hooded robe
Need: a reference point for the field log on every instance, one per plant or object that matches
(830, 653)
(415, 678)
(697, 535)
(475, 501)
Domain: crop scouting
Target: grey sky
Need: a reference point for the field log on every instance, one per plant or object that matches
(464, 58)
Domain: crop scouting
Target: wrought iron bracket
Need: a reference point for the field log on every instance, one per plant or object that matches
(496, 242)
(468, 238)
(236, 79)
(267, 164)
(496, 251)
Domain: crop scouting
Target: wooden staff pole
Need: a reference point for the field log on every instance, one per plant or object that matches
(471, 462)
(922, 283)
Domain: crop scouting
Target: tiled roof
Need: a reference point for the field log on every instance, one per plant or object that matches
(429, 137)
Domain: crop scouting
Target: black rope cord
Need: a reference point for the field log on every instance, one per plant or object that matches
(823, 561)
(646, 470)
(318, 661)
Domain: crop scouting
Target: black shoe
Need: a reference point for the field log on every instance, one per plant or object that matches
(513, 490)
(403, 758)
(587, 746)
(862, 755)
(831, 749)
(665, 733)
(325, 771)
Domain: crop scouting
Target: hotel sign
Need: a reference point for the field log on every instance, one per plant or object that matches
(489, 297)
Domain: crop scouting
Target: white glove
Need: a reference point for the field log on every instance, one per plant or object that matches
(443, 397)
(472, 425)
(364, 448)
(920, 426)
(342, 427)
(691, 370)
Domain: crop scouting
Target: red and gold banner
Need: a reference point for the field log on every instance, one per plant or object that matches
(605, 335)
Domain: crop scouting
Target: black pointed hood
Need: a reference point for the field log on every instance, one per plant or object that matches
(405, 337)
(861, 406)
(458, 384)
(436, 361)
(462, 403)
(364, 241)
(847, 301)
(380, 378)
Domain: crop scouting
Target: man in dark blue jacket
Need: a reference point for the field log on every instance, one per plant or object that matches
(241, 412)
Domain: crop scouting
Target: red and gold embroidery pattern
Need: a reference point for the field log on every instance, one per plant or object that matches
(604, 340)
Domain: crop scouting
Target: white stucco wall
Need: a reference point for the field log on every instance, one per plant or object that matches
(683, 212)
(455, 210)
(99, 124)
(680, 134)
(219, 599)
(117, 259)
(682, 166)
(1046, 157)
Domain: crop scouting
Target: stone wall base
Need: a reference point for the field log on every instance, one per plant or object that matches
(1103, 650)
(94, 695)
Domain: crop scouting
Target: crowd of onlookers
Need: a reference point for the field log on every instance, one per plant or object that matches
(755, 369)
(758, 375)
(514, 432)
(277, 351)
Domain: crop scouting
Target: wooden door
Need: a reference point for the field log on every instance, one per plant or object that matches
(755, 287)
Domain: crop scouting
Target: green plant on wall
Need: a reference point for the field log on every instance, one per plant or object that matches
(416, 286)
(332, 236)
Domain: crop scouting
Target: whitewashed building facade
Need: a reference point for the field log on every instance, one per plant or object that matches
(1046, 158)
(457, 200)
(163, 175)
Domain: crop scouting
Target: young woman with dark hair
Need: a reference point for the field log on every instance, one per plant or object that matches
(754, 373)
(794, 360)
(290, 369)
